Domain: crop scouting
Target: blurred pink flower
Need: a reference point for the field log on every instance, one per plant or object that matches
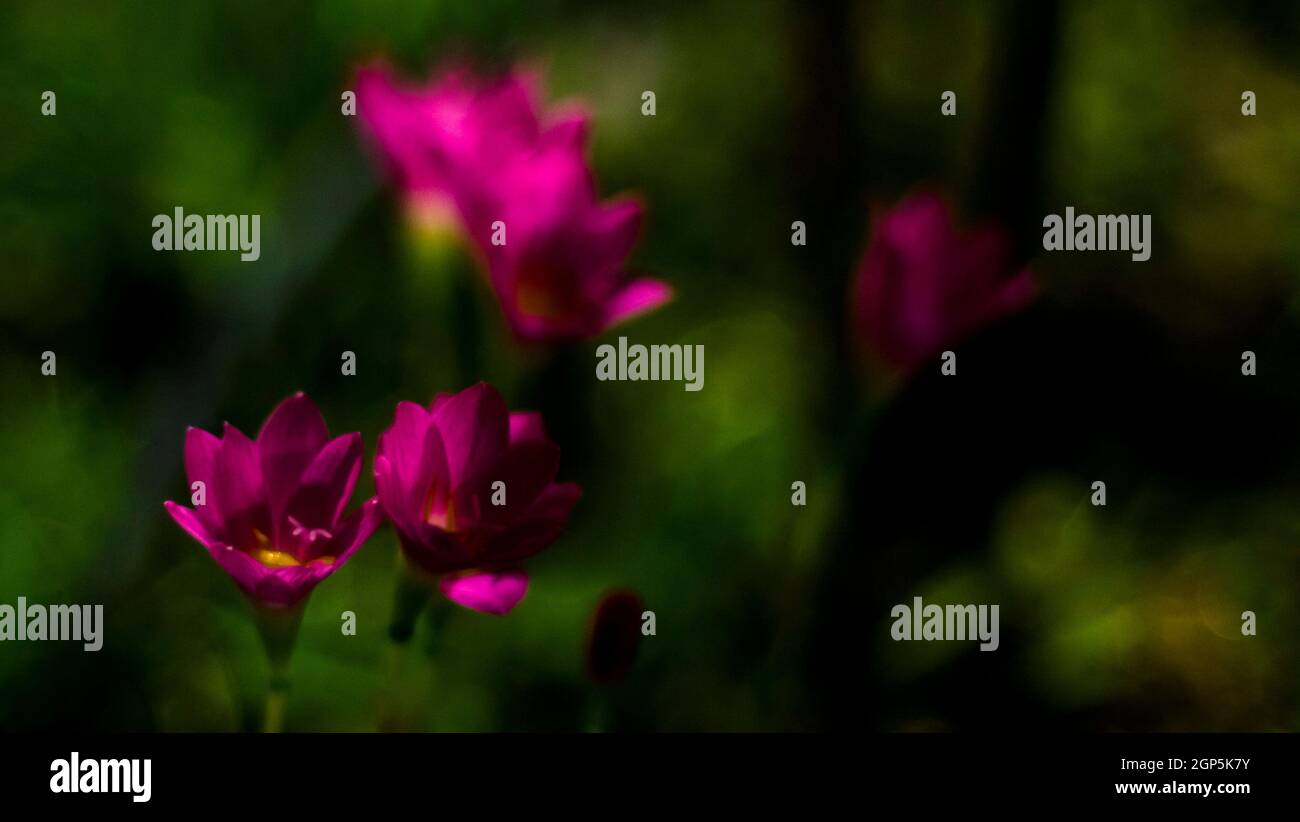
(559, 274)
(923, 286)
(434, 472)
(457, 121)
(273, 508)
(553, 252)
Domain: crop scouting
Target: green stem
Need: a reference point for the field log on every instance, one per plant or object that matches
(273, 715)
(278, 628)
(411, 595)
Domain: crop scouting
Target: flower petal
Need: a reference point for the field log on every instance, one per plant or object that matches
(488, 592)
(416, 459)
(355, 529)
(525, 426)
(389, 493)
(288, 442)
(433, 549)
(193, 524)
(402, 444)
(237, 493)
(278, 587)
(326, 485)
(475, 427)
(403, 128)
(613, 229)
(637, 297)
(568, 130)
(540, 526)
(527, 469)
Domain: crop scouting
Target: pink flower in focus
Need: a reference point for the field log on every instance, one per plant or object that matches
(435, 469)
(483, 147)
(924, 287)
(273, 508)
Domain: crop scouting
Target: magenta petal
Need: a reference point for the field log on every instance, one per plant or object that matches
(637, 297)
(439, 400)
(277, 587)
(556, 501)
(355, 530)
(475, 427)
(569, 131)
(403, 443)
(389, 492)
(188, 519)
(287, 443)
(525, 426)
(242, 568)
(294, 427)
(432, 548)
(395, 119)
(614, 228)
(399, 503)
(200, 454)
(501, 118)
(527, 469)
(541, 524)
(236, 493)
(326, 485)
(200, 464)
(488, 592)
(410, 458)
(431, 470)
(525, 539)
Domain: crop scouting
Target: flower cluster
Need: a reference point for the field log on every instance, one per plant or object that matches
(272, 508)
(522, 192)
(469, 486)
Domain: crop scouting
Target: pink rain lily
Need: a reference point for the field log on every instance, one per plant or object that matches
(923, 286)
(273, 507)
(457, 121)
(553, 252)
(437, 471)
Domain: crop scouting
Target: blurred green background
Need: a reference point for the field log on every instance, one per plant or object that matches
(769, 616)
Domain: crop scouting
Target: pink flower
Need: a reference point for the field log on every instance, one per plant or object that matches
(924, 287)
(554, 254)
(458, 121)
(436, 472)
(273, 508)
(559, 274)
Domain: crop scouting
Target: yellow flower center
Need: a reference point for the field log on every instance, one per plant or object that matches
(266, 554)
